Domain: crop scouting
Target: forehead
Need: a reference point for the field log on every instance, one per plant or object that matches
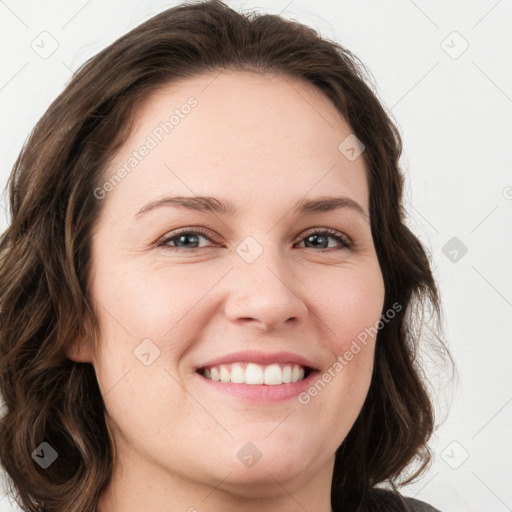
(240, 135)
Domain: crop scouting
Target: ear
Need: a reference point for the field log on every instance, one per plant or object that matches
(80, 349)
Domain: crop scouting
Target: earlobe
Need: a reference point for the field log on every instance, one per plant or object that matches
(79, 351)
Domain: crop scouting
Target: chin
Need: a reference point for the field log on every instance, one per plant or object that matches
(263, 461)
(265, 476)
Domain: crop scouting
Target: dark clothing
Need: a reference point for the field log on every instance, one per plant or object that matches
(384, 500)
(420, 506)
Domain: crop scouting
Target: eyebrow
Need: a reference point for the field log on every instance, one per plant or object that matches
(224, 207)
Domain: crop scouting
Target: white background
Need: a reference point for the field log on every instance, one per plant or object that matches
(455, 116)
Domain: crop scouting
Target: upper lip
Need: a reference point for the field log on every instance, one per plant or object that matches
(263, 358)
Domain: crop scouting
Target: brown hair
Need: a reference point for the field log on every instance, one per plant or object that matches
(45, 255)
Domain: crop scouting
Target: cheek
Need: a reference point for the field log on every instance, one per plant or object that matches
(139, 304)
(350, 307)
(350, 304)
(144, 311)
(145, 302)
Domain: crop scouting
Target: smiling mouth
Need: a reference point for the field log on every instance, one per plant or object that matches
(255, 374)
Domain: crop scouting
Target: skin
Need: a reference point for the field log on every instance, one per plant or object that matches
(262, 142)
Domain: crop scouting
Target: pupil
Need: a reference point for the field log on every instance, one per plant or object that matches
(183, 238)
(311, 237)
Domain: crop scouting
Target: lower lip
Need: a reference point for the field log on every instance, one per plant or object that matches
(262, 392)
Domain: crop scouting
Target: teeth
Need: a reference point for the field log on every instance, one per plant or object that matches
(224, 374)
(273, 375)
(237, 374)
(251, 373)
(297, 373)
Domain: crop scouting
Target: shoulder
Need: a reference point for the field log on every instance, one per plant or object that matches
(385, 500)
(419, 506)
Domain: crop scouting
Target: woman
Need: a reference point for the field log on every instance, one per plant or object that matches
(208, 291)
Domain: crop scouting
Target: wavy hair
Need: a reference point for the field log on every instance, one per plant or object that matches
(45, 302)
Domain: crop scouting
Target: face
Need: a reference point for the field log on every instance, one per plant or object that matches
(179, 288)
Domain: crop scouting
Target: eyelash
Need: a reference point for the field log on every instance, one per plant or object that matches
(339, 237)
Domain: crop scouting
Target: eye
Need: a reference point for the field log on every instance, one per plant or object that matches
(320, 237)
(185, 236)
(189, 238)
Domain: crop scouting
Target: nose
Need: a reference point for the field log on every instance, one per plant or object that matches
(262, 293)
